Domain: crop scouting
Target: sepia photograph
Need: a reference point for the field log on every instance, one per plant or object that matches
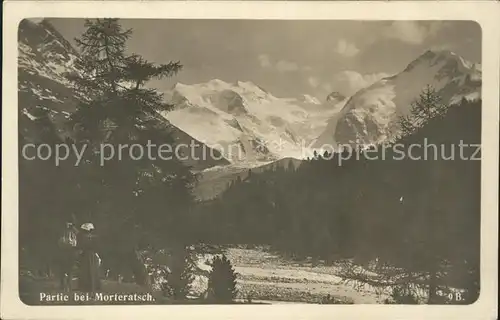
(168, 161)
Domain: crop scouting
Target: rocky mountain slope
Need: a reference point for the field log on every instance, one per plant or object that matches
(237, 126)
(45, 57)
(371, 114)
(246, 123)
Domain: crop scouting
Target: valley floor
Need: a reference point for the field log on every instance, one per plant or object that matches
(262, 278)
(266, 276)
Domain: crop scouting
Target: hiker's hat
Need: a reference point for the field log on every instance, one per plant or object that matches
(87, 226)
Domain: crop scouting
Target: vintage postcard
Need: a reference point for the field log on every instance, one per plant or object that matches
(223, 156)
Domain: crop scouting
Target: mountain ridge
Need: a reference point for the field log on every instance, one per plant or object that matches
(371, 114)
(265, 127)
(217, 115)
(45, 59)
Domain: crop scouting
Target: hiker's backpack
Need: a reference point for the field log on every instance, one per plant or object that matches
(68, 239)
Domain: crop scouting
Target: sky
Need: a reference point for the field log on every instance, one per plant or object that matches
(290, 57)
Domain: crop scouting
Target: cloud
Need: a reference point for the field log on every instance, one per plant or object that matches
(411, 32)
(281, 65)
(285, 66)
(442, 47)
(327, 87)
(349, 82)
(264, 61)
(313, 82)
(345, 48)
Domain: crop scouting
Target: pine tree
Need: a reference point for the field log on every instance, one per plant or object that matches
(427, 106)
(222, 280)
(290, 167)
(322, 241)
(129, 195)
(425, 111)
(43, 208)
(181, 274)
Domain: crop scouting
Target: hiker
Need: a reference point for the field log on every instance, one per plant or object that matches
(67, 255)
(89, 262)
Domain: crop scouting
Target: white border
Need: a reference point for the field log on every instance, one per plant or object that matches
(487, 14)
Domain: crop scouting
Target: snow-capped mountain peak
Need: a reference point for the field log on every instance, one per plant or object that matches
(307, 98)
(372, 113)
(44, 51)
(246, 123)
(45, 59)
(451, 65)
